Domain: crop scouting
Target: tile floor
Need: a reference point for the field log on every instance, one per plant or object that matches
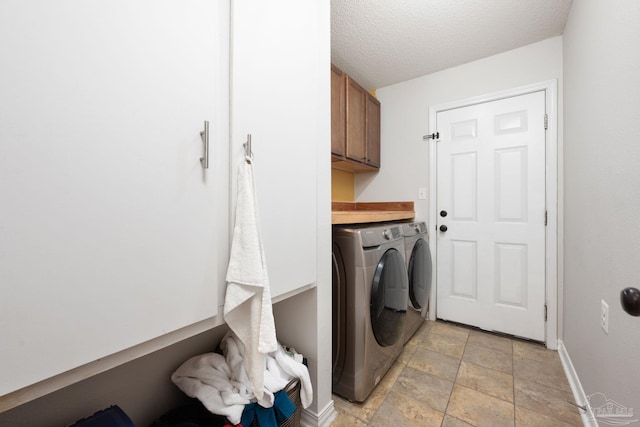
(453, 376)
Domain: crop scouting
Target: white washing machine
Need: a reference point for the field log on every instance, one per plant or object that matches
(418, 256)
(370, 297)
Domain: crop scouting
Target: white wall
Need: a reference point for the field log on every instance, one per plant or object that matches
(602, 194)
(405, 115)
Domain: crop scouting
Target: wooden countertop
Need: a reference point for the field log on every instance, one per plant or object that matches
(361, 212)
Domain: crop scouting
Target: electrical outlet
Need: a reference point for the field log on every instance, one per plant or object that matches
(422, 193)
(604, 316)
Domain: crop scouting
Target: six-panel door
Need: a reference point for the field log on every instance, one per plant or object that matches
(491, 199)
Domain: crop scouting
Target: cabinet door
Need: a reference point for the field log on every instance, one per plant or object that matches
(276, 97)
(373, 131)
(108, 222)
(338, 111)
(356, 121)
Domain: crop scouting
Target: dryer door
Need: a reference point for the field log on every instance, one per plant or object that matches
(339, 313)
(420, 275)
(389, 295)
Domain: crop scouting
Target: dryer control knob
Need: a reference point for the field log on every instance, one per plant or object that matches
(386, 235)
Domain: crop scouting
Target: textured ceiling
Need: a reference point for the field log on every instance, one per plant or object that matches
(382, 42)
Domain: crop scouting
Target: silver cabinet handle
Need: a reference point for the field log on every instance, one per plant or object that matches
(204, 161)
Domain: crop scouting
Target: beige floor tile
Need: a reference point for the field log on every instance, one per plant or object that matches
(449, 421)
(365, 410)
(535, 351)
(450, 345)
(450, 330)
(344, 419)
(398, 410)
(547, 401)
(488, 358)
(488, 340)
(527, 418)
(426, 326)
(407, 352)
(548, 373)
(422, 333)
(451, 376)
(485, 380)
(435, 363)
(479, 409)
(390, 377)
(379, 393)
(339, 402)
(425, 388)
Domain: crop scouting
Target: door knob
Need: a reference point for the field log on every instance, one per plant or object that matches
(630, 300)
(443, 213)
(443, 228)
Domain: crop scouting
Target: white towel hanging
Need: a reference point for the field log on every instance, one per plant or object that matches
(247, 306)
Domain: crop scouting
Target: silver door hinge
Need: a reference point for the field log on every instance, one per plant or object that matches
(546, 217)
(545, 312)
(546, 121)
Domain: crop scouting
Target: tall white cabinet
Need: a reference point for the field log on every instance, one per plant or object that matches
(109, 231)
(280, 94)
(273, 98)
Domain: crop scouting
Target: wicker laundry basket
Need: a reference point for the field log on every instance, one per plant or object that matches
(293, 391)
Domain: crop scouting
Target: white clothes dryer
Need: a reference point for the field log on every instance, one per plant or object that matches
(370, 297)
(418, 256)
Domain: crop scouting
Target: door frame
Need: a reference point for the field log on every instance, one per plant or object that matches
(550, 87)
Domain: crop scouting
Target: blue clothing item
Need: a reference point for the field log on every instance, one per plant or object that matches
(113, 416)
(281, 411)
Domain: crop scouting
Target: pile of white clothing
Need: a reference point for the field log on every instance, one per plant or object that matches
(221, 382)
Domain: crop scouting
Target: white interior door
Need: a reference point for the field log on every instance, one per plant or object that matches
(491, 215)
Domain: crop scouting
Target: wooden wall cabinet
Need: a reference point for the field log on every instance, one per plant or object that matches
(338, 112)
(373, 131)
(355, 125)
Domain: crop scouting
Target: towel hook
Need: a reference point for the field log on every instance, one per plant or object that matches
(247, 148)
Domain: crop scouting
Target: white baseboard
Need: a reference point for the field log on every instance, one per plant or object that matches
(579, 395)
(323, 419)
